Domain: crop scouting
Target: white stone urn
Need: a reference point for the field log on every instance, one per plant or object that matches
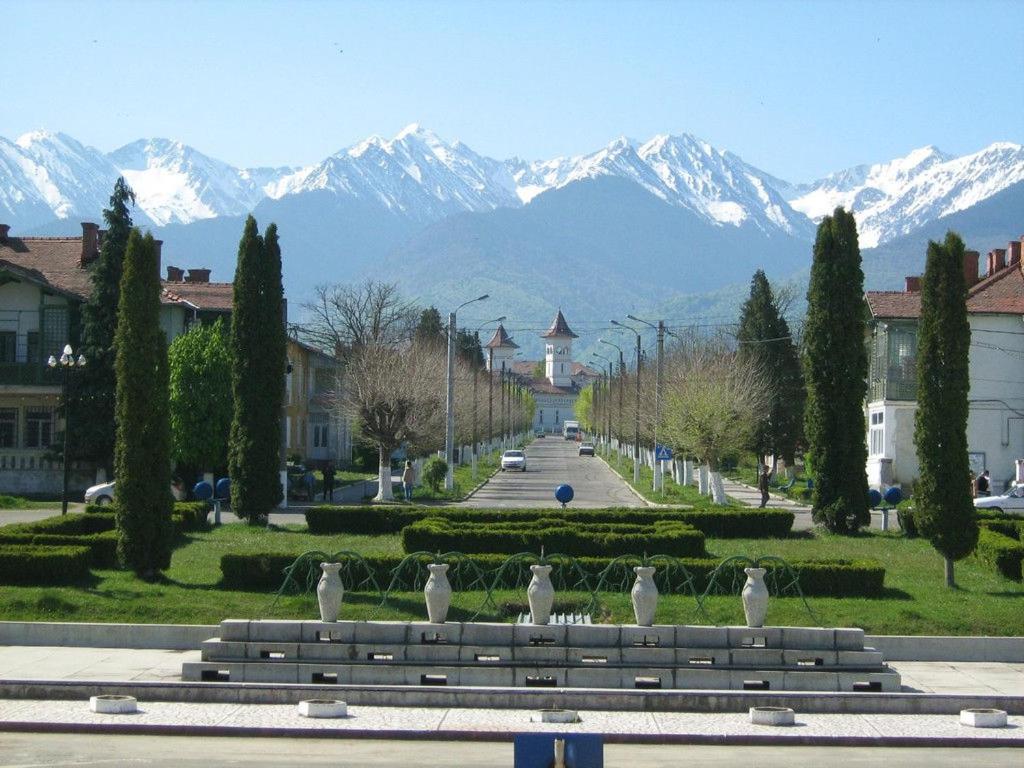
(541, 594)
(330, 591)
(644, 595)
(438, 593)
(755, 597)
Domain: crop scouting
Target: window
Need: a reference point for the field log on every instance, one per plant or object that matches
(877, 434)
(540, 416)
(32, 347)
(38, 427)
(556, 416)
(8, 427)
(320, 430)
(8, 346)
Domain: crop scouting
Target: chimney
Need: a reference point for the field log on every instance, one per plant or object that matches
(198, 276)
(1015, 246)
(913, 284)
(175, 274)
(971, 267)
(90, 243)
(996, 260)
(4, 229)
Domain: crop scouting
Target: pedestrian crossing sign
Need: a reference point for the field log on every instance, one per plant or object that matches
(663, 453)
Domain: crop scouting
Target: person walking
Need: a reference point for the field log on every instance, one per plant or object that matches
(763, 479)
(329, 481)
(408, 477)
(984, 484)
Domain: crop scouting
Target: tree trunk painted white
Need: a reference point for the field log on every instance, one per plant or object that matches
(417, 471)
(702, 480)
(384, 477)
(717, 489)
(687, 472)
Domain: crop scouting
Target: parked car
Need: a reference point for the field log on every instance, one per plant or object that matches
(103, 494)
(1011, 502)
(513, 460)
(538, 433)
(586, 449)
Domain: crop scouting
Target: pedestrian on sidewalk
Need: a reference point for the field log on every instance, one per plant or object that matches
(983, 484)
(763, 479)
(329, 481)
(408, 477)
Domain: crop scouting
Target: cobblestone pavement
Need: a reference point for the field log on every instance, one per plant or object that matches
(56, 749)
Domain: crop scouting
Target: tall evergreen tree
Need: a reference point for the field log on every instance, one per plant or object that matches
(258, 349)
(944, 510)
(835, 370)
(766, 343)
(142, 461)
(468, 349)
(430, 329)
(93, 426)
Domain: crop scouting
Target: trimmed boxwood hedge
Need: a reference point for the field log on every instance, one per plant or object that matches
(27, 564)
(823, 578)
(102, 547)
(569, 537)
(998, 547)
(729, 522)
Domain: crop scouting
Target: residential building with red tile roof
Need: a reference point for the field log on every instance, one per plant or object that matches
(995, 430)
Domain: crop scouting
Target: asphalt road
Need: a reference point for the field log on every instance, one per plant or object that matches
(551, 461)
(35, 750)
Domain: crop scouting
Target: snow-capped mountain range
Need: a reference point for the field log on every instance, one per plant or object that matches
(51, 176)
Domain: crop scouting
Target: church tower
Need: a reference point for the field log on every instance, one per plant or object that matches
(558, 352)
(500, 350)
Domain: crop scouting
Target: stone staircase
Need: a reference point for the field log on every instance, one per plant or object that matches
(542, 656)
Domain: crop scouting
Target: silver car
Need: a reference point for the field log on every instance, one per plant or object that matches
(513, 460)
(1011, 502)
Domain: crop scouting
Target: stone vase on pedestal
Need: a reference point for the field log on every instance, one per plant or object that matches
(541, 594)
(644, 596)
(330, 591)
(437, 593)
(755, 597)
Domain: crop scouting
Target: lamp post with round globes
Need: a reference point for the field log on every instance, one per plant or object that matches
(67, 363)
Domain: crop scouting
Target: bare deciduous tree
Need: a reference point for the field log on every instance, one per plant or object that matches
(346, 318)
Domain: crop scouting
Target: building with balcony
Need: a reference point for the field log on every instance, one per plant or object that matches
(315, 428)
(995, 427)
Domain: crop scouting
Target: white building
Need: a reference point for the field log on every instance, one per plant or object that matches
(995, 426)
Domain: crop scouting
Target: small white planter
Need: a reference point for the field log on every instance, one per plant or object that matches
(772, 716)
(113, 705)
(323, 708)
(644, 596)
(755, 597)
(555, 716)
(983, 718)
(437, 593)
(329, 592)
(540, 594)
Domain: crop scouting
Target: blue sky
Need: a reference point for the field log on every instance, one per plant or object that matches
(796, 88)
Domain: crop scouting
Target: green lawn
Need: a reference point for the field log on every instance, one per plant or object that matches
(747, 473)
(17, 502)
(672, 494)
(915, 601)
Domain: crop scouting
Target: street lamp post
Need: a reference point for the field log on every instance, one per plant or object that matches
(636, 414)
(476, 372)
(607, 400)
(66, 362)
(622, 382)
(659, 475)
(449, 401)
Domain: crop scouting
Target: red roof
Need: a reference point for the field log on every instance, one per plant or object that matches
(559, 328)
(52, 261)
(501, 339)
(1000, 293)
(212, 297)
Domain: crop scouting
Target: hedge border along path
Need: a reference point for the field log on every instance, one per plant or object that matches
(999, 545)
(27, 564)
(567, 537)
(819, 578)
(729, 523)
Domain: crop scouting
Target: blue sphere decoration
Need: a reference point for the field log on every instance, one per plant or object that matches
(223, 488)
(874, 498)
(564, 494)
(894, 495)
(202, 490)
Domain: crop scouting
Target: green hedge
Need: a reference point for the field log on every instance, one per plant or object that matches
(194, 515)
(830, 578)
(1003, 552)
(723, 523)
(440, 534)
(102, 546)
(67, 525)
(28, 564)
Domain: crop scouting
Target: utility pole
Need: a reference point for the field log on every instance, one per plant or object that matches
(490, 394)
(659, 478)
(449, 400)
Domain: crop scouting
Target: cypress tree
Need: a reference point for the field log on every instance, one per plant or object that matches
(258, 349)
(765, 341)
(142, 462)
(94, 393)
(944, 510)
(835, 371)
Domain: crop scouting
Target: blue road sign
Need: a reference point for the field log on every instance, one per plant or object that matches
(564, 494)
(663, 453)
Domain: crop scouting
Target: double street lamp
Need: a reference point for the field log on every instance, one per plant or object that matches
(659, 480)
(476, 372)
(636, 433)
(449, 403)
(622, 381)
(606, 399)
(67, 363)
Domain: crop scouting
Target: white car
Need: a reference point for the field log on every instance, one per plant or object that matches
(513, 460)
(1011, 502)
(103, 494)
